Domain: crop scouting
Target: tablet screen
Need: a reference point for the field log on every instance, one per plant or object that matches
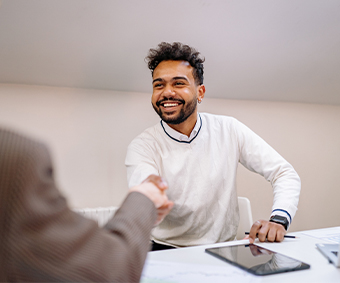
(257, 260)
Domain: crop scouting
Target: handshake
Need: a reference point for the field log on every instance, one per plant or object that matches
(154, 188)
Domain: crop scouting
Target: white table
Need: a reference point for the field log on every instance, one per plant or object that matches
(301, 248)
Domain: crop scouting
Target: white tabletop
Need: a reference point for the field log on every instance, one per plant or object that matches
(302, 248)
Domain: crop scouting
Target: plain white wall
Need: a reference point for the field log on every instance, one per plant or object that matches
(88, 132)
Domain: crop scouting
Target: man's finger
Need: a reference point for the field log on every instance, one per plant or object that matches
(272, 234)
(280, 235)
(254, 230)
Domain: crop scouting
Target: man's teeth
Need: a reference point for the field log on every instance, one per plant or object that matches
(170, 104)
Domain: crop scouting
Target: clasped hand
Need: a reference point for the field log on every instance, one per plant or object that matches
(154, 188)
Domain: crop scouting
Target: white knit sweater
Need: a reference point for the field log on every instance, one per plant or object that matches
(201, 173)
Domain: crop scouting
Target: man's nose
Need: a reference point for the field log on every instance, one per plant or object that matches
(168, 91)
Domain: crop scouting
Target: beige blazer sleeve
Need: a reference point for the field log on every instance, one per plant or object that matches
(41, 239)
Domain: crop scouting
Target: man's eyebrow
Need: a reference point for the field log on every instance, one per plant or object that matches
(179, 78)
(172, 79)
(158, 80)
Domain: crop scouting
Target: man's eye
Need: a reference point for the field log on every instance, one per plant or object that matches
(157, 85)
(179, 83)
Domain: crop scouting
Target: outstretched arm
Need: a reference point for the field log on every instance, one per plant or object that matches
(43, 240)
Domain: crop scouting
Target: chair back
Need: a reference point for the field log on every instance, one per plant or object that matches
(246, 218)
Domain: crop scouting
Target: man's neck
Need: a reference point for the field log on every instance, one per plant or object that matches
(187, 126)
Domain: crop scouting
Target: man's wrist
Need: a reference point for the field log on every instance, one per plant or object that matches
(280, 220)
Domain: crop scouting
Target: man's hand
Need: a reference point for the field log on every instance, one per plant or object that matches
(154, 188)
(263, 229)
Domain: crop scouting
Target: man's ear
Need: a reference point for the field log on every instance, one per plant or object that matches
(200, 92)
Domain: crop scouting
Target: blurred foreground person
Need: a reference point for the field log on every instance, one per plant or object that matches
(41, 239)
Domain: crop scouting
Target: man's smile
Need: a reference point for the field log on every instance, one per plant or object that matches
(168, 104)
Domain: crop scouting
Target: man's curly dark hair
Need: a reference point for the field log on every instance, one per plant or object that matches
(177, 52)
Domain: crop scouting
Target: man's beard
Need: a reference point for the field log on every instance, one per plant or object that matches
(186, 111)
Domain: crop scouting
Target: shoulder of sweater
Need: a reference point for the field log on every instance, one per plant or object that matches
(148, 134)
(217, 118)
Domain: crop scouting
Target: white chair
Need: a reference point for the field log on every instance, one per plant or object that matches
(246, 218)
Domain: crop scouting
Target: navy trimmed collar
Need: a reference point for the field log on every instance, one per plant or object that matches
(176, 136)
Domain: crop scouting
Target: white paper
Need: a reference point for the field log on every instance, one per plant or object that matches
(171, 272)
(327, 234)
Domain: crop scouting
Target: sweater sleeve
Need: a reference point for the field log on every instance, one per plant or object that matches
(46, 241)
(260, 157)
(140, 162)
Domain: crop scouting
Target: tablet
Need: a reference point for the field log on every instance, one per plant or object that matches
(257, 260)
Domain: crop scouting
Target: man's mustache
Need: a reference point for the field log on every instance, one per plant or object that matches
(158, 103)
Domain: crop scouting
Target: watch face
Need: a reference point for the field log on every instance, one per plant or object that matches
(279, 218)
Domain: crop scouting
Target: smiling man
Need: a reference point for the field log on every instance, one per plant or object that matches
(198, 155)
(175, 95)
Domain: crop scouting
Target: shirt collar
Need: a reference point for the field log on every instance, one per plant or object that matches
(179, 136)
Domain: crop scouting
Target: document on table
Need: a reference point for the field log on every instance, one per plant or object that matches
(171, 272)
(328, 234)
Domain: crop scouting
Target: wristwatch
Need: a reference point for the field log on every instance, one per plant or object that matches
(280, 220)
